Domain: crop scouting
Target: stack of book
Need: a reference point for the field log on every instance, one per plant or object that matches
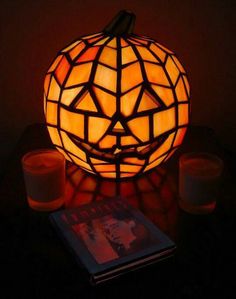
(110, 238)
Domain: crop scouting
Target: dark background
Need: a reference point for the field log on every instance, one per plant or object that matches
(202, 33)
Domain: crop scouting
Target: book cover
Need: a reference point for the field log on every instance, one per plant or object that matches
(110, 238)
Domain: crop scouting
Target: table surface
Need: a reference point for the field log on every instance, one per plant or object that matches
(35, 263)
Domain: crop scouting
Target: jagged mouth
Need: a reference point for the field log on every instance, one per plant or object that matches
(119, 153)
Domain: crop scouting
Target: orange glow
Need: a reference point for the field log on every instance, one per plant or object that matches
(163, 148)
(76, 50)
(147, 103)
(72, 148)
(86, 103)
(172, 70)
(105, 77)
(156, 74)
(51, 113)
(128, 140)
(165, 94)
(68, 95)
(97, 128)
(133, 72)
(106, 109)
(164, 121)
(72, 122)
(54, 133)
(128, 101)
(146, 54)
(128, 55)
(180, 91)
(109, 57)
(79, 74)
(55, 63)
(89, 55)
(54, 90)
(161, 54)
(106, 101)
(108, 141)
(140, 127)
(183, 114)
(62, 70)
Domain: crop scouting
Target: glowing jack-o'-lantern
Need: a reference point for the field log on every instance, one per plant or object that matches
(116, 104)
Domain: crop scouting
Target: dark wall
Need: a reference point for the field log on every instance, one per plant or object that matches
(200, 32)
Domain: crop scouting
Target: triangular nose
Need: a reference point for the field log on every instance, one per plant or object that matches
(118, 128)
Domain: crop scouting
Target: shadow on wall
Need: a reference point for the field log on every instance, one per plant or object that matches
(34, 31)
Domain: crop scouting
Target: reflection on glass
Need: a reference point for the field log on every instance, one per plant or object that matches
(154, 194)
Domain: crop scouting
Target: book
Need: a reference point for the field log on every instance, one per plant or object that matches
(110, 238)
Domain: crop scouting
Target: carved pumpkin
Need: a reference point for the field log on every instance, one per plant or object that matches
(116, 104)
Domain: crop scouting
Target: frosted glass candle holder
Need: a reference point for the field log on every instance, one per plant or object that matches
(44, 176)
(199, 182)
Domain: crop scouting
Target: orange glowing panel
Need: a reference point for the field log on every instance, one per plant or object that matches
(147, 103)
(79, 74)
(51, 113)
(155, 163)
(180, 136)
(105, 77)
(156, 73)
(129, 100)
(163, 148)
(46, 83)
(180, 91)
(109, 57)
(72, 122)
(133, 72)
(130, 168)
(116, 104)
(112, 43)
(106, 167)
(108, 141)
(62, 70)
(86, 103)
(97, 127)
(54, 90)
(172, 70)
(139, 126)
(163, 121)
(134, 160)
(55, 63)
(106, 101)
(146, 54)
(159, 53)
(183, 114)
(72, 148)
(128, 140)
(178, 64)
(68, 95)
(165, 94)
(53, 132)
(88, 55)
(123, 43)
(77, 50)
(128, 55)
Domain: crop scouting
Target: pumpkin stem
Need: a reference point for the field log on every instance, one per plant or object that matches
(121, 24)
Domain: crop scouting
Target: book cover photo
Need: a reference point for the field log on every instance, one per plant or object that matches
(110, 237)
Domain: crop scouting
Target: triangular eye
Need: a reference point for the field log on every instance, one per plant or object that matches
(147, 102)
(86, 103)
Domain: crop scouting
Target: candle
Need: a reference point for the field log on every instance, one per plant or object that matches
(199, 181)
(44, 176)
